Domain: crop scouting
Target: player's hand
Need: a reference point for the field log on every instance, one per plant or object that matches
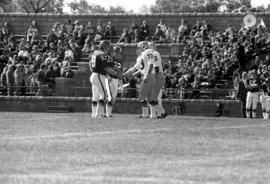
(128, 76)
(120, 76)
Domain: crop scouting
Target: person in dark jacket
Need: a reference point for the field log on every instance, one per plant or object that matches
(10, 80)
(41, 79)
(4, 81)
(241, 92)
(50, 76)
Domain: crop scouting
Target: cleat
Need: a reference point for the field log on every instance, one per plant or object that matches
(164, 115)
(145, 117)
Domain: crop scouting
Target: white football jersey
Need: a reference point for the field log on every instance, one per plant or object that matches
(151, 56)
(141, 64)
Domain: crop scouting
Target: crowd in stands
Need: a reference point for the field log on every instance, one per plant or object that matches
(208, 58)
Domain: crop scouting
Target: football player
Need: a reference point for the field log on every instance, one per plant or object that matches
(253, 87)
(155, 70)
(112, 82)
(264, 99)
(160, 80)
(141, 67)
(100, 67)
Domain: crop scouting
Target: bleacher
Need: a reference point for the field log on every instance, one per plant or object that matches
(80, 85)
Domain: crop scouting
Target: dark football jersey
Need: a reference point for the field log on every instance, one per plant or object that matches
(253, 82)
(99, 62)
(117, 65)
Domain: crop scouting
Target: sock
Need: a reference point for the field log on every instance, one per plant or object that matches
(153, 112)
(100, 110)
(158, 111)
(267, 115)
(248, 113)
(145, 112)
(253, 114)
(94, 111)
(108, 110)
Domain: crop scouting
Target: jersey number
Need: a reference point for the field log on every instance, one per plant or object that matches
(151, 56)
(93, 61)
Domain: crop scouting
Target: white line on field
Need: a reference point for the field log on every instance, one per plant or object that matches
(20, 119)
(99, 178)
(234, 127)
(82, 134)
(164, 163)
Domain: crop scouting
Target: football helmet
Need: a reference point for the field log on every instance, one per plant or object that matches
(152, 45)
(105, 46)
(142, 46)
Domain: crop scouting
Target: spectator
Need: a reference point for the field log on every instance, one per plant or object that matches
(35, 51)
(10, 80)
(52, 38)
(170, 35)
(4, 81)
(182, 30)
(88, 44)
(24, 54)
(49, 59)
(32, 31)
(69, 52)
(56, 29)
(99, 32)
(133, 26)
(67, 72)
(57, 69)
(89, 30)
(19, 76)
(241, 92)
(159, 35)
(125, 37)
(60, 51)
(5, 32)
(162, 25)
(69, 27)
(109, 31)
(77, 51)
(195, 28)
(145, 30)
(41, 80)
(50, 76)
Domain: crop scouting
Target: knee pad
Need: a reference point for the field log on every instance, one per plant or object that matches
(109, 103)
(263, 110)
(101, 102)
(144, 103)
(153, 103)
(94, 103)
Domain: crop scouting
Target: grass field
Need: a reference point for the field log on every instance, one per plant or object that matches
(47, 148)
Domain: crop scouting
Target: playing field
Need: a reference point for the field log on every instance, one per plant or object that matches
(46, 148)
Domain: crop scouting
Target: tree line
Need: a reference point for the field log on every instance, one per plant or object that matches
(160, 6)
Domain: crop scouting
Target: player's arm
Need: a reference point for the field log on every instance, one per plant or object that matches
(92, 63)
(113, 72)
(135, 68)
(137, 73)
